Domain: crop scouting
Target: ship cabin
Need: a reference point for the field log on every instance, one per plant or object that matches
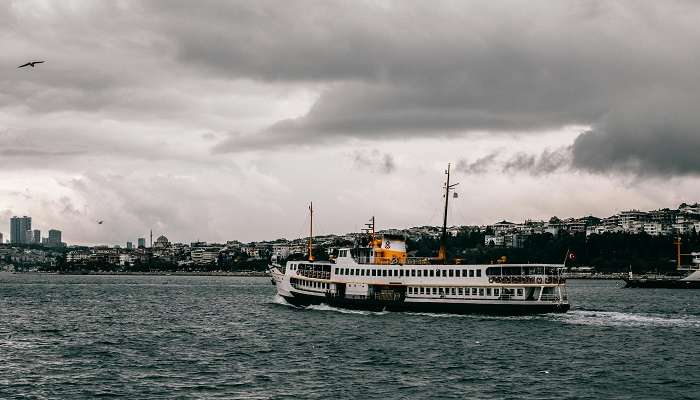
(385, 250)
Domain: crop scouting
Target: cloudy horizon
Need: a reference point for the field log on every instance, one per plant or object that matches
(221, 120)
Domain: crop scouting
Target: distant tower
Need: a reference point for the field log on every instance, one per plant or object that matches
(18, 229)
(150, 244)
(54, 238)
(141, 243)
(36, 236)
(129, 246)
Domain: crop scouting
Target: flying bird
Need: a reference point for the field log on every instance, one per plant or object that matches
(30, 64)
(100, 222)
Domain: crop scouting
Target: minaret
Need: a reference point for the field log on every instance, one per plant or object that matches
(151, 239)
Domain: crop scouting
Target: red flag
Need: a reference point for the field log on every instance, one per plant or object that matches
(572, 255)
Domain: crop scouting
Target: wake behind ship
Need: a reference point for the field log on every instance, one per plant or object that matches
(380, 276)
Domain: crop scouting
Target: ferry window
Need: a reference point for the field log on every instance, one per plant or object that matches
(457, 273)
(410, 290)
(422, 291)
(488, 291)
(474, 291)
(383, 272)
(481, 291)
(495, 292)
(464, 273)
(419, 273)
(471, 273)
(454, 292)
(444, 273)
(478, 272)
(400, 272)
(434, 290)
(413, 272)
(520, 292)
(336, 271)
(452, 273)
(459, 290)
(374, 272)
(432, 273)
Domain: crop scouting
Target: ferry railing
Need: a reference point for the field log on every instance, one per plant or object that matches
(549, 297)
(395, 261)
(527, 279)
(315, 274)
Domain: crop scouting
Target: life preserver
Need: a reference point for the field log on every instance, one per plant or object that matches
(497, 279)
(490, 279)
(539, 280)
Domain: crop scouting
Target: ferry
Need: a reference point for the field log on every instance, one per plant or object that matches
(379, 276)
(689, 279)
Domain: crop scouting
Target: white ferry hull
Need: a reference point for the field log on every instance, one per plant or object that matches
(496, 307)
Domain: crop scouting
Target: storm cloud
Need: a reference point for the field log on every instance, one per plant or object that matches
(187, 98)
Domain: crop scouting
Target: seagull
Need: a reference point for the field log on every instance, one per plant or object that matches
(30, 64)
(100, 222)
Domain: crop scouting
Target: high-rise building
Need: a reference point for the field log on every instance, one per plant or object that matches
(36, 236)
(18, 229)
(1, 242)
(129, 245)
(142, 243)
(54, 237)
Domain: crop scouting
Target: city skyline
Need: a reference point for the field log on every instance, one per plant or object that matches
(661, 221)
(230, 124)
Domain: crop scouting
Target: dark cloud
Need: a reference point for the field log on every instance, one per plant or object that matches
(652, 136)
(375, 161)
(479, 166)
(482, 66)
(549, 161)
(546, 162)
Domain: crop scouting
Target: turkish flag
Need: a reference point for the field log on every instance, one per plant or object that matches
(572, 256)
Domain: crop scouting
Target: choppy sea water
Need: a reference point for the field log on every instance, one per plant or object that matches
(226, 337)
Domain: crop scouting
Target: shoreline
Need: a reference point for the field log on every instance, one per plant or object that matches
(249, 274)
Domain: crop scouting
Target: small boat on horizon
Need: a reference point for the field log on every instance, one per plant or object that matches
(690, 278)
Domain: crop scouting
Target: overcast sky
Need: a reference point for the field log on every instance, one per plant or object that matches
(218, 120)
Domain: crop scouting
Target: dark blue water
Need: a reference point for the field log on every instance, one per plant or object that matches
(225, 337)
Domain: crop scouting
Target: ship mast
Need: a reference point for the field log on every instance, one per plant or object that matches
(311, 232)
(442, 253)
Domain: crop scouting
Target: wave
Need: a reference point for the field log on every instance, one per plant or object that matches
(615, 318)
(325, 307)
(279, 300)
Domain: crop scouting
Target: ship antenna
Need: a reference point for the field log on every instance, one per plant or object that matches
(442, 253)
(311, 232)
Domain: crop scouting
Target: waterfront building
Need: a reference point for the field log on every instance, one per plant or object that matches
(1, 240)
(141, 243)
(204, 255)
(55, 238)
(129, 246)
(495, 240)
(18, 229)
(36, 236)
